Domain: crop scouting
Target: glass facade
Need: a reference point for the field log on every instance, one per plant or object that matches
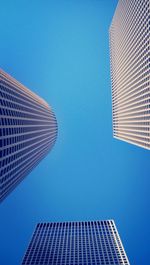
(28, 130)
(76, 243)
(130, 71)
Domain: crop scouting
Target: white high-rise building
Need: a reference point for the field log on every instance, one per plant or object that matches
(130, 71)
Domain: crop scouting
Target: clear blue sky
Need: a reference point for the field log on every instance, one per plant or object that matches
(60, 50)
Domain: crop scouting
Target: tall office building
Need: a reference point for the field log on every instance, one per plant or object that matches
(28, 130)
(130, 71)
(76, 243)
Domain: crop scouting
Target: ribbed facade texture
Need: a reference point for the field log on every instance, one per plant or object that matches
(28, 130)
(130, 71)
(76, 243)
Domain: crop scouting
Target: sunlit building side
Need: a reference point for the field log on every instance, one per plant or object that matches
(130, 72)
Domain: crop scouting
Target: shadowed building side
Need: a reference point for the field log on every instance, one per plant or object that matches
(28, 131)
(75, 243)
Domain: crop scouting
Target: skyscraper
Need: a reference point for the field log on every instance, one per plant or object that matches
(28, 130)
(76, 243)
(130, 72)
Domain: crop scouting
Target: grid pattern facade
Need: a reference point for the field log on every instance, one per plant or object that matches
(130, 71)
(28, 130)
(76, 243)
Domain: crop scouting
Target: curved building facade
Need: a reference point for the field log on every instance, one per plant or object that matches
(28, 131)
